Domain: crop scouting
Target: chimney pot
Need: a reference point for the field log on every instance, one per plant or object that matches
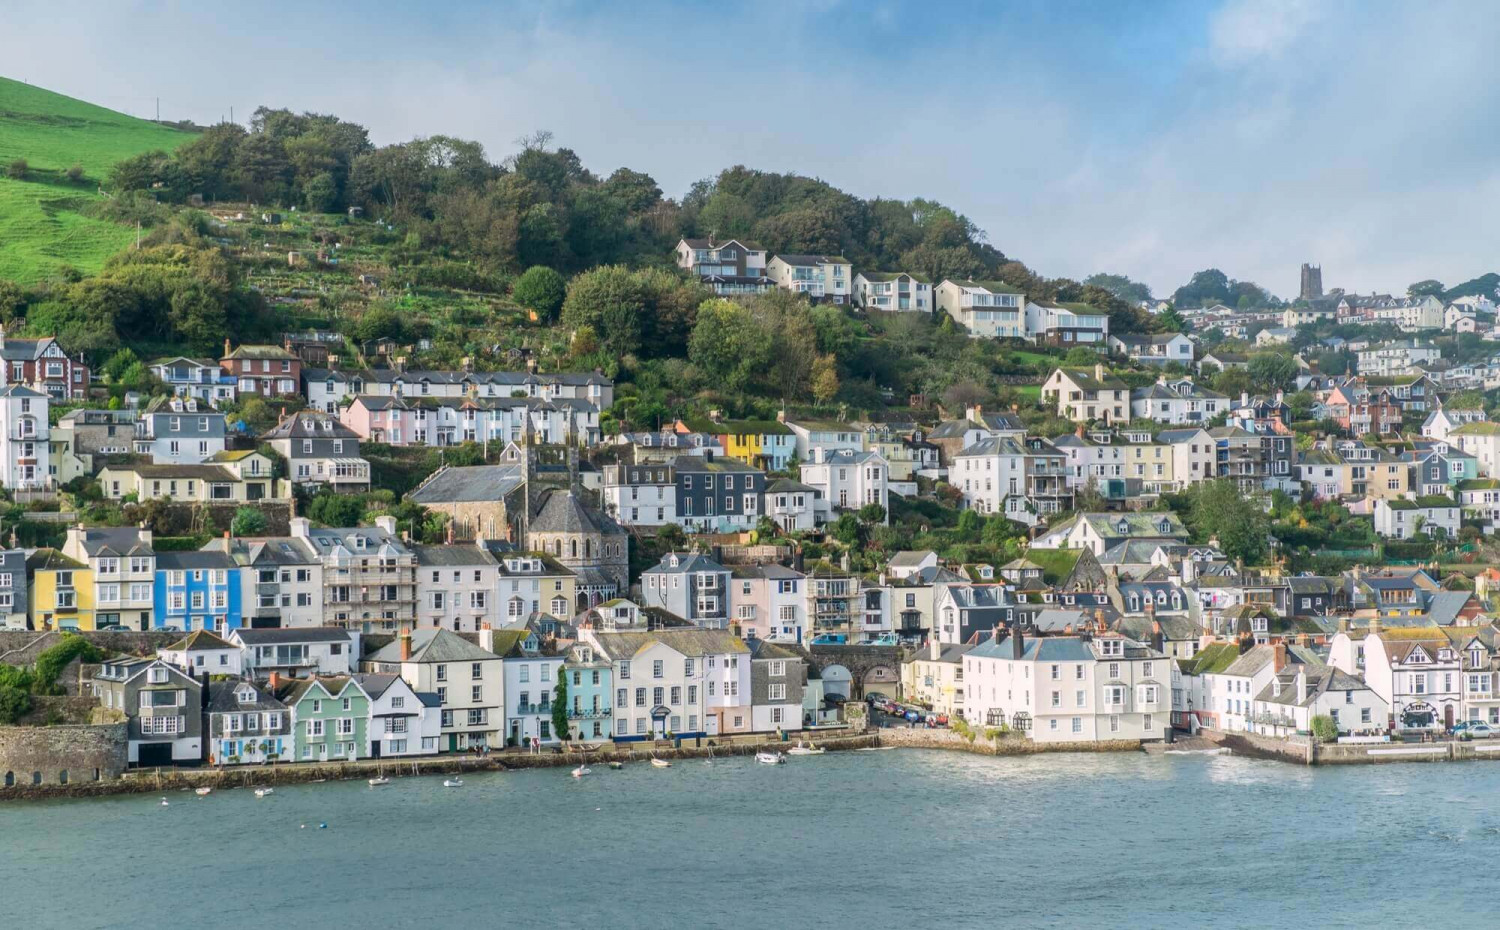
(405, 639)
(275, 682)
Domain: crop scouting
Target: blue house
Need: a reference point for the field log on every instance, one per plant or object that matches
(590, 689)
(197, 591)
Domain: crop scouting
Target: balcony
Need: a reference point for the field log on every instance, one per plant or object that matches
(533, 708)
(589, 713)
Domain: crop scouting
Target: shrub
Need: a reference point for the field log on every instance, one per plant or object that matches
(1325, 729)
(17, 169)
(248, 521)
(75, 172)
(542, 290)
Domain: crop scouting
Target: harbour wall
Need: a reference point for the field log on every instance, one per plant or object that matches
(63, 758)
(922, 738)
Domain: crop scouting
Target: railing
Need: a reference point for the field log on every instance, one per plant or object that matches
(534, 708)
(589, 713)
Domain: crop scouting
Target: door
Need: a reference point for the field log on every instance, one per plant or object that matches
(713, 724)
(323, 752)
(1448, 716)
(375, 749)
(153, 754)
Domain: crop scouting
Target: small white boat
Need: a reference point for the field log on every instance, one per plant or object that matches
(770, 758)
(203, 792)
(617, 765)
(262, 792)
(453, 783)
(581, 771)
(661, 763)
(801, 750)
(165, 803)
(379, 780)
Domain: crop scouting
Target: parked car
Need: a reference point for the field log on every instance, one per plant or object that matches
(1476, 729)
(875, 697)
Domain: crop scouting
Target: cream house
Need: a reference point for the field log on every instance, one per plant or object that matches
(820, 277)
(934, 677)
(468, 680)
(992, 309)
(1083, 394)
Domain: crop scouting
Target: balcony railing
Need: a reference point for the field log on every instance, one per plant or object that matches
(589, 713)
(534, 708)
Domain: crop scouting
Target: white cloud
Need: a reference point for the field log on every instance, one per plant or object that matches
(1245, 30)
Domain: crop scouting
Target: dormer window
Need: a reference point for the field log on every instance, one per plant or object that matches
(245, 696)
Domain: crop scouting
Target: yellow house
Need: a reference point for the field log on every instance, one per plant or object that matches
(534, 582)
(62, 592)
(763, 444)
(934, 677)
(231, 477)
(1148, 460)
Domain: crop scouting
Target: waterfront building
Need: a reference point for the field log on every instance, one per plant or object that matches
(402, 722)
(330, 717)
(247, 724)
(533, 666)
(689, 585)
(778, 677)
(122, 567)
(686, 682)
(295, 652)
(202, 652)
(61, 592)
(197, 591)
(934, 677)
(162, 707)
(469, 682)
(590, 693)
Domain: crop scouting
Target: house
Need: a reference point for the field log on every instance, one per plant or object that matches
(480, 501)
(1275, 336)
(247, 724)
(991, 474)
(202, 652)
(292, 653)
(456, 586)
(533, 669)
(281, 580)
(369, 574)
(1443, 420)
(589, 543)
(1068, 688)
(330, 717)
(1177, 402)
(43, 366)
(439, 422)
(196, 590)
(198, 378)
(778, 678)
(1245, 677)
(1222, 361)
(534, 582)
(1154, 348)
(1353, 468)
(25, 451)
(262, 370)
(15, 589)
(730, 267)
(402, 722)
(61, 595)
(1066, 325)
(1417, 671)
(319, 450)
(1482, 441)
(1253, 461)
(717, 494)
(331, 389)
(960, 611)
(791, 505)
(1298, 693)
(123, 569)
(162, 707)
(226, 480)
(893, 291)
(990, 309)
(816, 439)
(906, 563)
(591, 692)
(469, 681)
(767, 601)
(765, 444)
(1098, 532)
(691, 586)
(933, 677)
(1436, 516)
(845, 480)
(820, 277)
(686, 682)
(1397, 358)
(1081, 394)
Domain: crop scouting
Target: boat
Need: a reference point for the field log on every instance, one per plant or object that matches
(379, 780)
(202, 792)
(262, 792)
(801, 750)
(617, 765)
(165, 803)
(873, 748)
(661, 763)
(581, 771)
(766, 757)
(453, 783)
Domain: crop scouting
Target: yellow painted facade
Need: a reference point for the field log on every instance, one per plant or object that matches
(62, 592)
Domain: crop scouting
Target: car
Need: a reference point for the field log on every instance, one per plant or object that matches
(912, 716)
(1476, 729)
(874, 697)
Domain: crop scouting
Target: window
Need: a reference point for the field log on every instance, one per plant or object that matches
(442, 672)
(656, 668)
(776, 693)
(624, 669)
(476, 694)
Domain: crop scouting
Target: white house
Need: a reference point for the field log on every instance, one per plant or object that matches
(1177, 402)
(298, 652)
(1068, 688)
(1287, 705)
(1443, 420)
(848, 481)
(791, 505)
(203, 652)
(820, 277)
(1066, 324)
(25, 452)
(1436, 516)
(531, 674)
(1481, 440)
(992, 309)
(991, 475)
(402, 722)
(1098, 532)
(682, 681)
(1082, 394)
(469, 681)
(1417, 671)
(1154, 348)
(893, 291)
(729, 267)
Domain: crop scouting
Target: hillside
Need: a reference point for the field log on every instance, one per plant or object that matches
(41, 226)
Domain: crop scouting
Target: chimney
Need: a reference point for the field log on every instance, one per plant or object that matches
(486, 637)
(1017, 642)
(1304, 640)
(274, 682)
(226, 347)
(299, 526)
(934, 648)
(386, 523)
(1344, 625)
(1099, 370)
(1158, 639)
(1374, 626)
(1244, 399)
(1301, 684)
(405, 640)
(1278, 660)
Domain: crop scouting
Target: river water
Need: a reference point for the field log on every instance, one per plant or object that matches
(900, 839)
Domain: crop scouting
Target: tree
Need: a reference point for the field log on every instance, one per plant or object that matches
(671, 536)
(1122, 287)
(846, 529)
(1205, 289)
(17, 169)
(729, 345)
(1080, 357)
(1089, 500)
(1272, 371)
(872, 513)
(339, 510)
(1427, 288)
(75, 172)
(611, 300)
(1219, 509)
(1170, 321)
(560, 705)
(541, 290)
(248, 521)
(825, 378)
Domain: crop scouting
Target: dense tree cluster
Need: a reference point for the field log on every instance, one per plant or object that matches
(1213, 286)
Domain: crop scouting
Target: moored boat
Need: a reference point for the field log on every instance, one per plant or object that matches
(765, 757)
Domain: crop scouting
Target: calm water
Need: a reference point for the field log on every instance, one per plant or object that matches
(899, 839)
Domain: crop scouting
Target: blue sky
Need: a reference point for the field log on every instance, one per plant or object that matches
(1145, 138)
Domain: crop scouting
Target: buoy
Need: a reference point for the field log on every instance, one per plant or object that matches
(322, 826)
(598, 809)
(303, 827)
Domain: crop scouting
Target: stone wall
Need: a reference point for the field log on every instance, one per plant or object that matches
(21, 647)
(32, 756)
(1262, 747)
(182, 517)
(922, 738)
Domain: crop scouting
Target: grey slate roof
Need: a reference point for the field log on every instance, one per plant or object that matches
(468, 483)
(463, 555)
(272, 637)
(565, 512)
(436, 645)
(222, 700)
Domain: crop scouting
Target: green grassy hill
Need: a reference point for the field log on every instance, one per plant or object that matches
(41, 228)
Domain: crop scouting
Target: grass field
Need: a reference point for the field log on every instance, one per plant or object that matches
(41, 228)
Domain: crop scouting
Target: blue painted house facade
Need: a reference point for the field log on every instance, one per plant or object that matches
(197, 591)
(590, 688)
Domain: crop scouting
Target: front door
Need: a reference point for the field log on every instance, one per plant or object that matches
(1448, 716)
(375, 749)
(713, 724)
(322, 752)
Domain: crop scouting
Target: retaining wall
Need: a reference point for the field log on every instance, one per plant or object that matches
(922, 738)
(21, 647)
(62, 757)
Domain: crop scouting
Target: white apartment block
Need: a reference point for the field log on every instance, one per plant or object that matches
(991, 309)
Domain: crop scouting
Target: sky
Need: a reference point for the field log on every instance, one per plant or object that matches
(1151, 139)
